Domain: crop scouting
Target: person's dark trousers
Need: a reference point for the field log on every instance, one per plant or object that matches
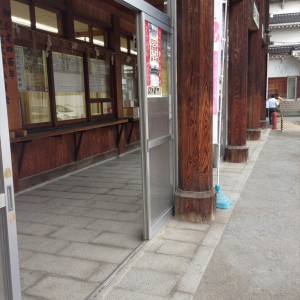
(267, 112)
(271, 110)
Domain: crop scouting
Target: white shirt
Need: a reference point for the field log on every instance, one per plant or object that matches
(273, 103)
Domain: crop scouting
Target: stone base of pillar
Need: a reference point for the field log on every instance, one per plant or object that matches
(263, 124)
(236, 154)
(195, 207)
(253, 134)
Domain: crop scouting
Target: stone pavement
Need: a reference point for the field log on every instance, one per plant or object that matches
(258, 256)
(170, 266)
(75, 231)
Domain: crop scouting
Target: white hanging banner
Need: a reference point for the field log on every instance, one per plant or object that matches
(217, 64)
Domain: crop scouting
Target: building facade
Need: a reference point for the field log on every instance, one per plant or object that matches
(85, 81)
(284, 49)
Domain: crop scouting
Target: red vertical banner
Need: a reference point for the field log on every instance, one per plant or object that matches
(153, 60)
(159, 59)
(147, 52)
(9, 66)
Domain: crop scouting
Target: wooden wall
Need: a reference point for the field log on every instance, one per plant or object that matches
(33, 160)
(36, 160)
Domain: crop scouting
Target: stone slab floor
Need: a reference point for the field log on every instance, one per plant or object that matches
(75, 231)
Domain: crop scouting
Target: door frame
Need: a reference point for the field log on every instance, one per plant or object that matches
(150, 229)
(146, 12)
(8, 200)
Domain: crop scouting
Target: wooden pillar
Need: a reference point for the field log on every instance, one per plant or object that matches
(265, 22)
(9, 67)
(254, 85)
(195, 198)
(236, 150)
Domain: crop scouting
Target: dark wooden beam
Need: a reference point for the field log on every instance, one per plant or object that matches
(68, 21)
(114, 9)
(52, 3)
(195, 197)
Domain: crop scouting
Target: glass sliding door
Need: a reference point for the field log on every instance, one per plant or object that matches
(157, 105)
(156, 78)
(9, 260)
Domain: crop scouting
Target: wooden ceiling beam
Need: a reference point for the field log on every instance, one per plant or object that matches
(114, 8)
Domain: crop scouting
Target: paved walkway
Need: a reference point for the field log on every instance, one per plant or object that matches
(67, 253)
(258, 256)
(172, 265)
(75, 231)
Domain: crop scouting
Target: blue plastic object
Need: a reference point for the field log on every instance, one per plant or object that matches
(222, 200)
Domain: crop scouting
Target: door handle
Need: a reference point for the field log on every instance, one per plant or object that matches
(10, 205)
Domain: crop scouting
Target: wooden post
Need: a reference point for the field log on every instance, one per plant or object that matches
(265, 21)
(10, 77)
(236, 150)
(195, 198)
(9, 67)
(254, 85)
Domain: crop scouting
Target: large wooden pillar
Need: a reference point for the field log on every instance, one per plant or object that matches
(236, 149)
(264, 53)
(195, 198)
(254, 75)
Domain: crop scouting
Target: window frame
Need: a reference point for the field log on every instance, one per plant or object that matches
(92, 25)
(92, 55)
(37, 39)
(32, 17)
(130, 60)
(58, 123)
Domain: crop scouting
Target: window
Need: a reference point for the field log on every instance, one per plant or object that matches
(99, 83)
(99, 36)
(81, 31)
(123, 44)
(133, 47)
(128, 45)
(69, 95)
(69, 87)
(46, 20)
(129, 89)
(33, 85)
(20, 13)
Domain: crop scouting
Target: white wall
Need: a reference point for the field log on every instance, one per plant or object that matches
(290, 66)
(285, 36)
(289, 7)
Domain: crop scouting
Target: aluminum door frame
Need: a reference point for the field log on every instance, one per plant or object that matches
(7, 197)
(168, 23)
(151, 229)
